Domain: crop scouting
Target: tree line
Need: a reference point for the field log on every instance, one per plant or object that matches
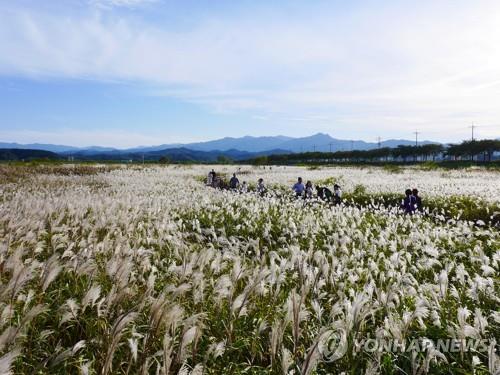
(477, 150)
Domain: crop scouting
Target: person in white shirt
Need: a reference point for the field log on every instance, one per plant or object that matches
(244, 187)
(308, 190)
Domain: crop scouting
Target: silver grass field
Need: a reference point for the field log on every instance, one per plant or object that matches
(145, 270)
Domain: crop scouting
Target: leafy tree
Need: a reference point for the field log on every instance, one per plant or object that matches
(164, 160)
(223, 159)
(488, 147)
(432, 150)
(403, 152)
(263, 160)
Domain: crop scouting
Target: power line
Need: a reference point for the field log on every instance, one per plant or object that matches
(489, 126)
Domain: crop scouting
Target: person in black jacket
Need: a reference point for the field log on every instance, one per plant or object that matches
(418, 200)
(324, 193)
(234, 183)
(409, 204)
(337, 194)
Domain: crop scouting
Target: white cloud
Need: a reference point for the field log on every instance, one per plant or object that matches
(405, 66)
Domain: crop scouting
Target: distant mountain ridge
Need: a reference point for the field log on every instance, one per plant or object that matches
(179, 154)
(38, 146)
(316, 142)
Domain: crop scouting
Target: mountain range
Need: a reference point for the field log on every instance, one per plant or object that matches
(247, 144)
(178, 154)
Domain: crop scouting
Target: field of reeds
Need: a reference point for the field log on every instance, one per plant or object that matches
(131, 270)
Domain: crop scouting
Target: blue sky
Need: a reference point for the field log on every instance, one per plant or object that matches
(135, 72)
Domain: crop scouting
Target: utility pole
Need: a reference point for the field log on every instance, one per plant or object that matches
(472, 128)
(314, 148)
(352, 145)
(416, 144)
(330, 147)
(472, 137)
(378, 142)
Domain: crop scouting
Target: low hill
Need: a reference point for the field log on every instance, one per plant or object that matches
(8, 154)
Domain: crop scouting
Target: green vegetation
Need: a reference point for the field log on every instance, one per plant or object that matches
(474, 151)
(444, 208)
(13, 172)
(222, 159)
(164, 160)
(392, 168)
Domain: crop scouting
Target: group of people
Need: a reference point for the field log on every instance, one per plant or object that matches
(411, 202)
(307, 192)
(215, 181)
(234, 185)
(212, 178)
(301, 191)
